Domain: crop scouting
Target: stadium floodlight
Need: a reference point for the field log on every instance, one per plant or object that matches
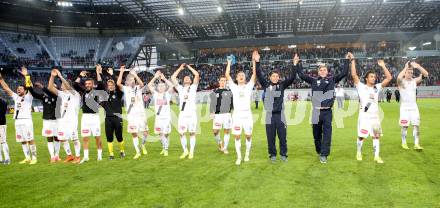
(220, 9)
(180, 11)
(412, 48)
(64, 4)
(259, 6)
(427, 43)
(266, 48)
(291, 46)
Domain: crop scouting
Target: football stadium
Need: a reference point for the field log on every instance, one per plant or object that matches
(219, 103)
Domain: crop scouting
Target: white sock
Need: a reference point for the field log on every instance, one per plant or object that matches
(226, 141)
(376, 147)
(359, 145)
(1, 155)
(56, 148)
(238, 148)
(217, 138)
(183, 142)
(86, 154)
(136, 144)
(33, 149)
(26, 151)
(100, 154)
(192, 143)
(144, 139)
(248, 146)
(51, 149)
(77, 146)
(416, 135)
(403, 132)
(167, 142)
(66, 146)
(6, 150)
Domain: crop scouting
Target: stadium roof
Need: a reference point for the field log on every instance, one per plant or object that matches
(222, 19)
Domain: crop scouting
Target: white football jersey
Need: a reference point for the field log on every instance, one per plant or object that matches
(162, 104)
(69, 105)
(241, 95)
(134, 103)
(187, 98)
(22, 106)
(408, 93)
(369, 97)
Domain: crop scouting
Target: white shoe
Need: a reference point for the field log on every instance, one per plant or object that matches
(99, 159)
(238, 161)
(84, 160)
(246, 158)
(225, 152)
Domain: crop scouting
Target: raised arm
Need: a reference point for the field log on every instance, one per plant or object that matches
(228, 70)
(51, 86)
(423, 71)
(5, 86)
(151, 83)
(299, 70)
(402, 74)
(64, 81)
(98, 72)
(261, 79)
(345, 66)
(136, 77)
(34, 94)
(254, 71)
(121, 74)
(354, 74)
(77, 84)
(176, 73)
(168, 82)
(195, 73)
(387, 73)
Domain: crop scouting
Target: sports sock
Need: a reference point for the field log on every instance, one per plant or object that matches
(110, 148)
(359, 145)
(5, 150)
(77, 146)
(167, 142)
(192, 143)
(248, 146)
(404, 131)
(217, 138)
(376, 147)
(226, 141)
(183, 142)
(66, 147)
(136, 144)
(238, 148)
(33, 149)
(121, 146)
(86, 154)
(51, 148)
(25, 148)
(416, 134)
(144, 139)
(99, 154)
(56, 146)
(1, 155)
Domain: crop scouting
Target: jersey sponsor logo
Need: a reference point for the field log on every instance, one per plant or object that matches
(403, 121)
(364, 131)
(158, 129)
(18, 136)
(60, 133)
(237, 128)
(48, 131)
(218, 124)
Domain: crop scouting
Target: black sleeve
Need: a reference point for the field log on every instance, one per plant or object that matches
(47, 91)
(264, 83)
(119, 93)
(344, 71)
(78, 87)
(290, 79)
(301, 74)
(100, 85)
(34, 94)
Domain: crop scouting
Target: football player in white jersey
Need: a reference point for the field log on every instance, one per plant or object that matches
(68, 104)
(24, 128)
(134, 104)
(242, 115)
(409, 112)
(188, 110)
(162, 98)
(369, 121)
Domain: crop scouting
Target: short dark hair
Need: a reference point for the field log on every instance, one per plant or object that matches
(274, 72)
(221, 76)
(368, 73)
(89, 79)
(240, 71)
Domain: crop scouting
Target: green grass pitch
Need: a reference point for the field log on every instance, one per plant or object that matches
(408, 178)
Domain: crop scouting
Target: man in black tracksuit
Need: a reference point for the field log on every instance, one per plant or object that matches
(323, 97)
(112, 104)
(273, 99)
